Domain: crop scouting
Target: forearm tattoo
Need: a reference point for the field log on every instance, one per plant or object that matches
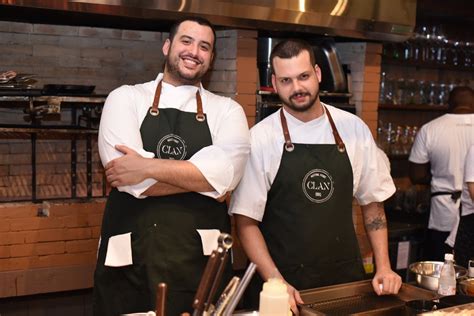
(376, 220)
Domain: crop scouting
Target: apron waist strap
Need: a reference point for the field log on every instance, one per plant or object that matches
(455, 195)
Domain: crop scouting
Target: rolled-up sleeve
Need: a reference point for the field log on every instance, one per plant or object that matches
(120, 125)
(223, 163)
(375, 183)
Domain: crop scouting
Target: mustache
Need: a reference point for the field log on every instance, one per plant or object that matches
(299, 93)
(191, 56)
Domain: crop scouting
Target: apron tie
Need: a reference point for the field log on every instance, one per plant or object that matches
(455, 195)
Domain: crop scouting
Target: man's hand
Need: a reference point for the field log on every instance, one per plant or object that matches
(129, 169)
(386, 282)
(295, 298)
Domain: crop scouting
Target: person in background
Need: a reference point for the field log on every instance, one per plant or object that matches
(171, 151)
(293, 206)
(437, 158)
(462, 236)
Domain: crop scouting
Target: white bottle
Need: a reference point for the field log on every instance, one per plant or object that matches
(274, 299)
(447, 278)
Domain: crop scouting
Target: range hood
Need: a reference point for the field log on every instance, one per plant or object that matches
(380, 20)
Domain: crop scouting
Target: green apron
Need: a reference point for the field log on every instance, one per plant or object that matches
(307, 224)
(165, 244)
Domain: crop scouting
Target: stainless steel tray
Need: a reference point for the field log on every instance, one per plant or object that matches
(359, 298)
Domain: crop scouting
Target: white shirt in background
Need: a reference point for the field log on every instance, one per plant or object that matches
(444, 143)
(466, 201)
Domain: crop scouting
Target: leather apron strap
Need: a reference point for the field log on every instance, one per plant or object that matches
(200, 117)
(286, 133)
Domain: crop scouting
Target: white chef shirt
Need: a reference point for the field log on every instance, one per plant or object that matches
(371, 183)
(444, 143)
(222, 163)
(466, 201)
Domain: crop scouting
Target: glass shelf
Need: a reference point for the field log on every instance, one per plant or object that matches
(419, 64)
(414, 107)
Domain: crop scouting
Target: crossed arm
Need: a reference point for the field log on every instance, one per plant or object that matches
(173, 176)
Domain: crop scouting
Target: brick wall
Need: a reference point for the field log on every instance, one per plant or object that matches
(47, 254)
(364, 60)
(106, 58)
(53, 170)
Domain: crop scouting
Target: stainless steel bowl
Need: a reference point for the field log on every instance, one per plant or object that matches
(466, 286)
(427, 273)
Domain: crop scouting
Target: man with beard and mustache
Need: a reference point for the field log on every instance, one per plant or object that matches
(293, 206)
(171, 151)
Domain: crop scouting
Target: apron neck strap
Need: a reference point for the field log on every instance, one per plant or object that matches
(340, 144)
(286, 133)
(156, 102)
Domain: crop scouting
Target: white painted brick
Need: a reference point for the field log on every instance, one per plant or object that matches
(221, 87)
(224, 64)
(227, 33)
(55, 29)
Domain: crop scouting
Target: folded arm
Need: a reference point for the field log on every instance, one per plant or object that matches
(173, 176)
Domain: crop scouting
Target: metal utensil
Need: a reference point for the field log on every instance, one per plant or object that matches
(161, 299)
(213, 267)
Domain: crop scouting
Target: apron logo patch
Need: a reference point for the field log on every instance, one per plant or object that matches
(318, 185)
(171, 147)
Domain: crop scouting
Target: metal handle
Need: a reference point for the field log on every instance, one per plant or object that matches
(161, 299)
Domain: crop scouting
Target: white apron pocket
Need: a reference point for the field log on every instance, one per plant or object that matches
(209, 240)
(119, 251)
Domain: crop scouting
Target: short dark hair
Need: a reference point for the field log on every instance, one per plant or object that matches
(291, 48)
(199, 20)
(461, 96)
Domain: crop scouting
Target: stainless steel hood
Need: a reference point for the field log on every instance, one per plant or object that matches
(391, 20)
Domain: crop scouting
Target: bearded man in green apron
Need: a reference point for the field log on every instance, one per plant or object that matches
(171, 151)
(293, 206)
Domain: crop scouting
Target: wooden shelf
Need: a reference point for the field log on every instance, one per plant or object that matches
(46, 132)
(413, 107)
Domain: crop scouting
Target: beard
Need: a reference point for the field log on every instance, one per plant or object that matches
(301, 107)
(173, 68)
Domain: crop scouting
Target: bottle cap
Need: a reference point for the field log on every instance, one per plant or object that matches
(449, 256)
